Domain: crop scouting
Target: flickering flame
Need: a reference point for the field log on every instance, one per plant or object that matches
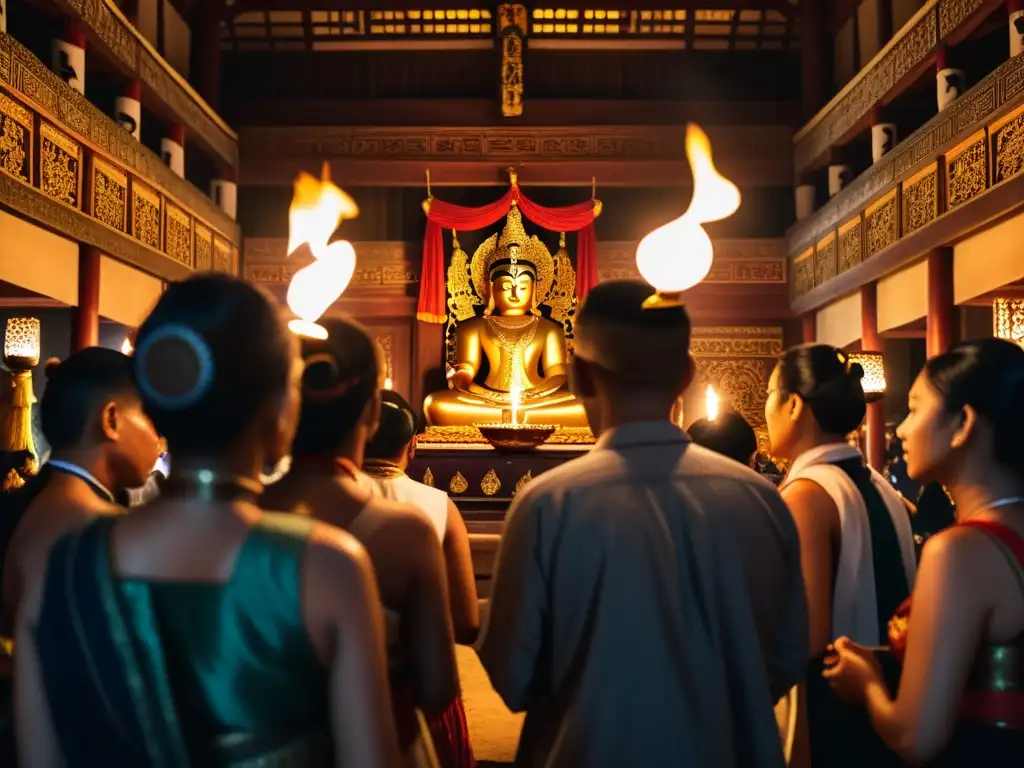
(126, 347)
(388, 383)
(318, 207)
(711, 404)
(678, 255)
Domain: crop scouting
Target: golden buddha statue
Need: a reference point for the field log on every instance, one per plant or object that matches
(523, 351)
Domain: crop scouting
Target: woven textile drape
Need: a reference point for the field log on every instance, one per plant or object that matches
(570, 218)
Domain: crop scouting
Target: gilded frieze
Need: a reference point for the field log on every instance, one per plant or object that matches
(222, 256)
(109, 194)
(146, 215)
(803, 272)
(966, 171)
(920, 199)
(60, 165)
(851, 236)
(953, 13)
(178, 235)
(204, 246)
(880, 224)
(743, 382)
(15, 139)
(1008, 146)
(736, 341)
(825, 260)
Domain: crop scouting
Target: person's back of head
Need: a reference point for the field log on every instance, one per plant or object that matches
(91, 408)
(729, 434)
(217, 369)
(629, 356)
(815, 395)
(341, 389)
(397, 430)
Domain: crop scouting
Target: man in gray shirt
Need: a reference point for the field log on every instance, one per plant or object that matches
(648, 607)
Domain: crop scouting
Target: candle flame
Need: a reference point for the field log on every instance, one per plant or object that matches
(388, 383)
(678, 255)
(711, 404)
(126, 347)
(318, 207)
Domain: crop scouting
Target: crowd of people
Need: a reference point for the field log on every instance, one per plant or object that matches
(652, 602)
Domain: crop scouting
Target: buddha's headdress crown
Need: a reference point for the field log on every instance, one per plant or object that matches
(510, 256)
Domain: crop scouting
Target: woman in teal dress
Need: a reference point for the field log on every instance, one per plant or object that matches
(201, 630)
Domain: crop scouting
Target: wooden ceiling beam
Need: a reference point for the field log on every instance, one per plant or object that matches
(244, 6)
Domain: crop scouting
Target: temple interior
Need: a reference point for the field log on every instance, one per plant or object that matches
(505, 159)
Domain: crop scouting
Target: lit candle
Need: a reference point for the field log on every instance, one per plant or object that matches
(126, 347)
(711, 404)
(388, 383)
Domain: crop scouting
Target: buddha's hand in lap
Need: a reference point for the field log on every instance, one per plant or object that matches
(460, 381)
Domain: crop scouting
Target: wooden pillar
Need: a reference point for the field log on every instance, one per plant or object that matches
(427, 355)
(85, 330)
(809, 324)
(205, 63)
(939, 333)
(874, 434)
(813, 66)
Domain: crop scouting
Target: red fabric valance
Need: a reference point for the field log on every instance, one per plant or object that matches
(441, 215)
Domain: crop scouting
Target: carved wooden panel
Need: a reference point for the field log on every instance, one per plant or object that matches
(803, 272)
(881, 225)
(16, 140)
(851, 236)
(825, 267)
(109, 195)
(178, 235)
(203, 246)
(1008, 146)
(921, 199)
(967, 170)
(60, 165)
(146, 215)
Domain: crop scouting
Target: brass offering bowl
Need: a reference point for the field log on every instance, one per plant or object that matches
(516, 438)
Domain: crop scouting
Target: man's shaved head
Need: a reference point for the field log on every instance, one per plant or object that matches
(634, 348)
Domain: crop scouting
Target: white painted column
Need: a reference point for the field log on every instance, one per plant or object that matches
(128, 109)
(224, 192)
(950, 82)
(804, 200)
(172, 149)
(1015, 9)
(69, 57)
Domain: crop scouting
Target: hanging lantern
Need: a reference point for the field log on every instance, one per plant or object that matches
(874, 374)
(1008, 320)
(22, 343)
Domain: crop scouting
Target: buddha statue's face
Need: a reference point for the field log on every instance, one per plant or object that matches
(512, 287)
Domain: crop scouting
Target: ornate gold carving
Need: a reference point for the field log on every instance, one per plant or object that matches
(850, 249)
(880, 222)
(109, 194)
(222, 260)
(59, 163)
(461, 297)
(1008, 317)
(204, 246)
(825, 260)
(490, 485)
(953, 13)
(178, 234)
(146, 215)
(512, 29)
(736, 341)
(458, 484)
(521, 483)
(386, 344)
(803, 272)
(966, 171)
(16, 139)
(744, 383)
(26, 75)
(920, 199)
(428, 478)
(1008, 145)
(472, 436)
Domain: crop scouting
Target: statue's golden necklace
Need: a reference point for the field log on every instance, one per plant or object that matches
(515, 334)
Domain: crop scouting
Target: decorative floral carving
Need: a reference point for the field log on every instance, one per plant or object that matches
(1009, 148)
(825, 261)
(146, 215)
(222, 261)
(428, 478)
(204, 247)
(880, 225)
(109, 195)
(803, 273)
(178, 235)
(458, 484)
(490, 485)
(736, 341)
(850, 246)
(920, 201)
(966, 173)
(744, 383)
(59, 165)
(521, 483)
(14, 149)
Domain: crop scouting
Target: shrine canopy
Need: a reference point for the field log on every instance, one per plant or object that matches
(441, 215)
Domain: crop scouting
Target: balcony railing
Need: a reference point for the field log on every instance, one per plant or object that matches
(72, 169)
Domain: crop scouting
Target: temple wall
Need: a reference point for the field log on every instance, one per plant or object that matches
(38, 260)
(903, 297)
(126, 294)
(988, 260)
(839, 323)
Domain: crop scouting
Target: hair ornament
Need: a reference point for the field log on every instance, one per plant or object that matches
(204, 363)
(333, 388)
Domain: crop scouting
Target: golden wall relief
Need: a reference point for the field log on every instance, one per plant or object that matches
(512, 29)
(851, 235)
(966, 171)
(803, 272)
(178, 235)
(825, 260)
(386, 345)
(109, 195)
(222, 261)
(60, 159)
(880, 222)
(1008, 146)
(15, 139)
(921, 199)
(146, 215)
(204, 246)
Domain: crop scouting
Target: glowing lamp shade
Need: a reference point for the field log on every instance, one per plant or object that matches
(1008, 320)
(874, 374)
(711, 403)
(22, 343)
(678, 255)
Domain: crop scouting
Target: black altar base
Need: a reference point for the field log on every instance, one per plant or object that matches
(482, 482)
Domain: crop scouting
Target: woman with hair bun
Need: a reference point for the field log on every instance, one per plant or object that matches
(856, 543)
(201, 630)
(961, 694)
(341, 406)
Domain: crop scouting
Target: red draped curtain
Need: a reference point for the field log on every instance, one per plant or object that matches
(441, 215)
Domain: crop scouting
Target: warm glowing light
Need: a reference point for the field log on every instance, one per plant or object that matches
(388, 383)
(318, 207)
(678, 255)
(515, 392)
(22, 343)
(1008, 320)
(873, 382)
(711, 404)
(126, 347)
